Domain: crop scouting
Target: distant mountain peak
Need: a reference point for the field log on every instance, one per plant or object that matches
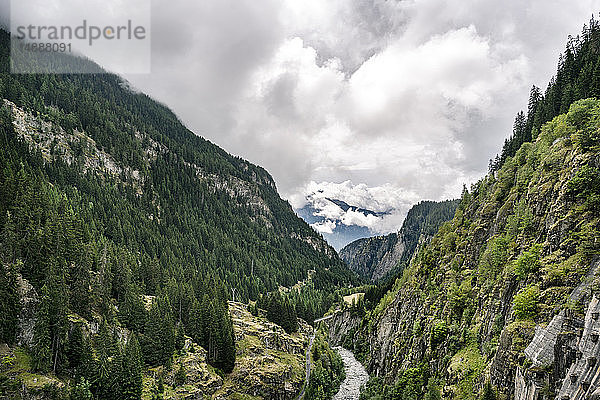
(347, 207)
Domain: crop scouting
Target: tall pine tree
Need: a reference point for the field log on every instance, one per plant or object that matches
(9, 305)
(42, 354)
(132, 371)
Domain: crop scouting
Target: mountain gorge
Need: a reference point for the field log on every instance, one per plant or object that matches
(377, 257)
(140, 261)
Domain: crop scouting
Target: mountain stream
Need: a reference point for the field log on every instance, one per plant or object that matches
(356, 376)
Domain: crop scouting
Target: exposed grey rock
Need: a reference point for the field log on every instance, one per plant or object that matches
(583, 377)
(526, 389)
(564, 355)
(541, 349)
(29, 299)
(374, 257)
(341, 324)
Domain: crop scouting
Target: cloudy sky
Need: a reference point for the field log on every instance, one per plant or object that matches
(378, 103)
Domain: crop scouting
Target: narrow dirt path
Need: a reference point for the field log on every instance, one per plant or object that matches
(308, 365)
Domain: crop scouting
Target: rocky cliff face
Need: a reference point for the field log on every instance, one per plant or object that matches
(505, 292)
(341, 327)
(270, 363)
(563, 351)
(375, 257)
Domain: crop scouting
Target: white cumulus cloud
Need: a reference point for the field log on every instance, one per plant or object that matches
(389, 203)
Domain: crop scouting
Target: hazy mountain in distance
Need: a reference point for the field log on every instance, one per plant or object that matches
(336, 230)
(375, 257)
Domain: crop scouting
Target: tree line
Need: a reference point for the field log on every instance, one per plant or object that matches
(577, 77)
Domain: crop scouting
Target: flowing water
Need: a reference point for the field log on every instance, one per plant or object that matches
(356, 376)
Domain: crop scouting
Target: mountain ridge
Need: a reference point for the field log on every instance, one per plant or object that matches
(377, 257)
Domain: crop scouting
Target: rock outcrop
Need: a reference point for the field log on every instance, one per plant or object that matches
(28, 298)
(375, 257)
(564, 350)
(341, 326)
(582, 378)
(270, 363)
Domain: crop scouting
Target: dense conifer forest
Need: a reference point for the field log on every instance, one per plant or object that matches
(577, 77)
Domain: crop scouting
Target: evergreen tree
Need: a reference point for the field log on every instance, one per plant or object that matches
(207, 320)
(105, 343)
(195, 326)
(116, 377)
(226, 360)
(10, 306)
(212, 340)
(488, 392)
(132, 312)
(42, 354)
(58, 302)
(281, 311)
(159, 337)
(74, 350)
(221, 340)
(180, 375)
(535, 96)
(179, 337)
(290, 320)
(519, 129)
(102, 381)
(132, 371)
(167, 336)
(88, 366)
(81, 391)
(152, 337)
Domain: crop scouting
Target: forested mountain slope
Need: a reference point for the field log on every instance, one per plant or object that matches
(187, 199)
(376, 257)
(121, 231)
(522, 248)
(577, 77)
(503, 303)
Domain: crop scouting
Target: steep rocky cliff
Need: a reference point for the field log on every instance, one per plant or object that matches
(375, 257)
(341, 327)
(505, 292)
